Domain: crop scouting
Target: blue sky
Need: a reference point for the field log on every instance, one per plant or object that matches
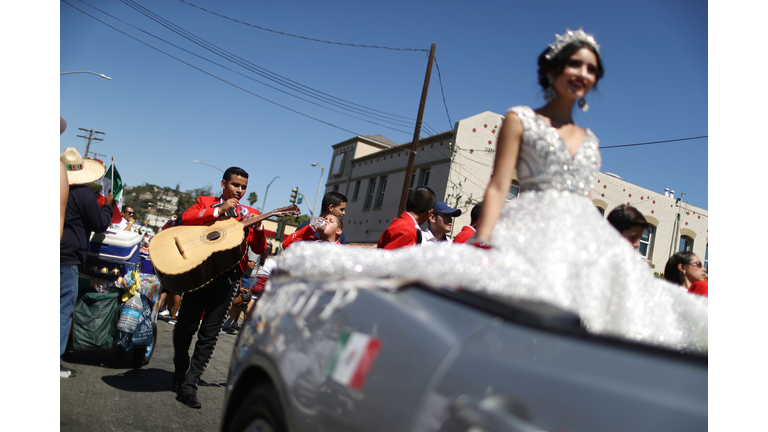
(159, 114)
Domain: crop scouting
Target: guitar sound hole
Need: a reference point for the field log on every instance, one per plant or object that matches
(213, 236)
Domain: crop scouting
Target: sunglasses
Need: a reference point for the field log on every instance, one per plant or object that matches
(696, 264)
(128, 212)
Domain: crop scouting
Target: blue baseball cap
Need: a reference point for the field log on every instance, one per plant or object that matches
(442, 207)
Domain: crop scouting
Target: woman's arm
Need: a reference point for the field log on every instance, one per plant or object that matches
(507, 151)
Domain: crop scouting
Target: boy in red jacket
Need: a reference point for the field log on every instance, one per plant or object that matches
(404, 230)
(329, 227)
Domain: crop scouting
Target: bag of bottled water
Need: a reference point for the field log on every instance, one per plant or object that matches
(129, 314)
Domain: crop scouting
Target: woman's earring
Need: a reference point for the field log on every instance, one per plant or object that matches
(583, 104)
(549, 92)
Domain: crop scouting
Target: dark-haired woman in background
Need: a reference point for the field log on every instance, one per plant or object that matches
(686, 269)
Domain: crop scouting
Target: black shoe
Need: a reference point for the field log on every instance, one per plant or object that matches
(176, 383)
(189, 400)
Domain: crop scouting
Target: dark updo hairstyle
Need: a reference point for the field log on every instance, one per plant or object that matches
(557, 63)
(671, 272)
(626, 217)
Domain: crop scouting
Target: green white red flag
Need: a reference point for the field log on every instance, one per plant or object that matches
(111, 182)
(353, 358)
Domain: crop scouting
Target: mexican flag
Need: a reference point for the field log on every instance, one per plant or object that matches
(353, 358)
(112, 182)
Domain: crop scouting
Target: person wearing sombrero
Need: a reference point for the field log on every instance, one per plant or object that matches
(83, 216)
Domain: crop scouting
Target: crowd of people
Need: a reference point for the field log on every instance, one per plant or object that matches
(550, 238)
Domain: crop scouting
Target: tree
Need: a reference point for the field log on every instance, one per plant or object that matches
(253, 198)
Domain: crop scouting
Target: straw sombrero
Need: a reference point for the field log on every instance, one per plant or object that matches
(79, 170)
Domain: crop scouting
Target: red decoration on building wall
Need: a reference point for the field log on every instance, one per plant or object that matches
(630, 195)
(605, 186)
(474, 130)
(485, 125)
(699, 217)
(602, 195)
(686, 223)
(654, 201)
(489, 142)
(651, 211)
(642, 197)
(628, 203)
(471, 151)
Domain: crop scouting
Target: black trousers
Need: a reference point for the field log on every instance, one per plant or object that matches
(214, 300)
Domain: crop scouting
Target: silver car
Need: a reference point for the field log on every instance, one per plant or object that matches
(391, 355)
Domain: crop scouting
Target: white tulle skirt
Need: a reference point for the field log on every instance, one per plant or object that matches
(550, 246)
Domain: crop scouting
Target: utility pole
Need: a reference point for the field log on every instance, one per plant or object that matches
(412, 155)
(89, 138)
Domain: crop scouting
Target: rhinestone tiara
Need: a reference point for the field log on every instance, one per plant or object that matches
(568, 37)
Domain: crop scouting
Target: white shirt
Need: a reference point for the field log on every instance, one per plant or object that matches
(427, 236)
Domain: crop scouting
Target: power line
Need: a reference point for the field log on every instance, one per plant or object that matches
(653, 142)
(267, 74)
(442, 90)
(212, 75)
(302, 37)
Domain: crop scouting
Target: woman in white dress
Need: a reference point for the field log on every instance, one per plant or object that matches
(550, 243)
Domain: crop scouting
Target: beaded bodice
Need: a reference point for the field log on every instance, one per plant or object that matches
(545, 163)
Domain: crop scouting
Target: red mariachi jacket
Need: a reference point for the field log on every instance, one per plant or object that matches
(464, 235)
(401, 232)
(202, 212)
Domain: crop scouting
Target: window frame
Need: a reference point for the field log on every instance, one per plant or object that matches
(380, 194)
(649, 244)
(370, 193)
(688, 244)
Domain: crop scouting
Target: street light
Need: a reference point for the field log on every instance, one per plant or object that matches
(197, 161)
(74, 72)
(322, 171)
(265, 193)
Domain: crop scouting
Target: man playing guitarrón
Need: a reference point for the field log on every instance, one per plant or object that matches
(212, 301)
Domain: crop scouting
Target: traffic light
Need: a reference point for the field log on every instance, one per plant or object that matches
(294, 193)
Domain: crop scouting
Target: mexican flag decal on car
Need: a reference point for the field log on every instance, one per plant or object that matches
(353, 358)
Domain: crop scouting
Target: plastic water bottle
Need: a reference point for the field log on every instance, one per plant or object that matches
(243, 211)
(129, 315)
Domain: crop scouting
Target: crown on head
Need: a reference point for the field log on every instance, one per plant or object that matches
(568, 37)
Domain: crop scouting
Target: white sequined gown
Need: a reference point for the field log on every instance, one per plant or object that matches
(551, 245)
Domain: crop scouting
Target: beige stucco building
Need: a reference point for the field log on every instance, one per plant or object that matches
(370, 172)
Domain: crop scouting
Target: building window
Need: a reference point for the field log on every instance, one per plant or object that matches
(357, 190)
(686, 244)
(413, 179)
(425, 178)
(337, 164)
(380, 199)
(706, 258)
(335, 188)
(369, 194)
(646, 242)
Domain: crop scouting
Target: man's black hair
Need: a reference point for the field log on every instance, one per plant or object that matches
(474, 215)
(625, 217)
(421, 200)
(234, 171)
(334, 198)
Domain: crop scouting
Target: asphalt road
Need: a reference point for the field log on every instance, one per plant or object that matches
(108, 394)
